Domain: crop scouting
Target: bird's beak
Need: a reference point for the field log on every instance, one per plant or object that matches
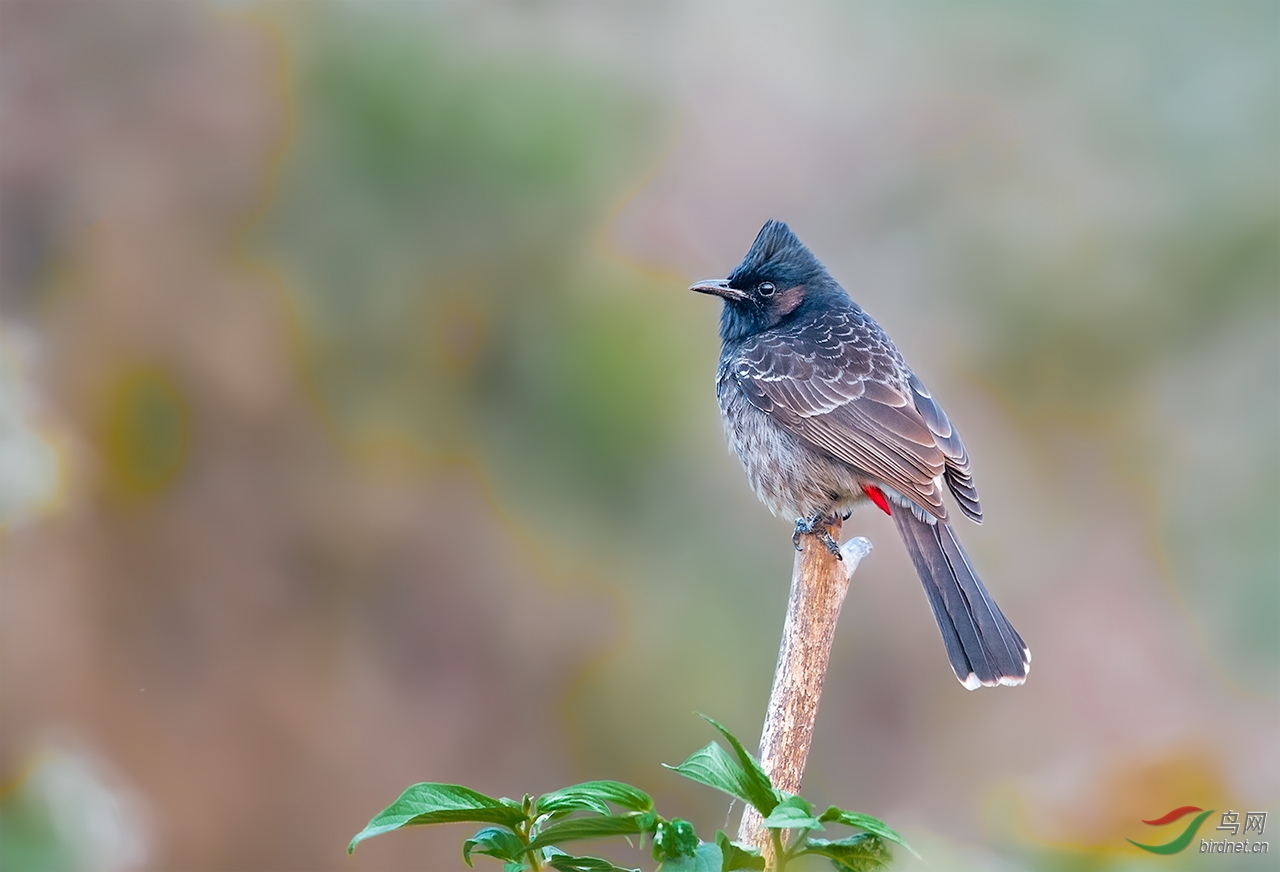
(719, 287)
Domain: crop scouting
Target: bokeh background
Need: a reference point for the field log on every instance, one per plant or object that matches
(357, 429)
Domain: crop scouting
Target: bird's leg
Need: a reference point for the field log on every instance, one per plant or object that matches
(819, 524)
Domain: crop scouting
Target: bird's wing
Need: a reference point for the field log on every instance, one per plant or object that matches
(837, 382)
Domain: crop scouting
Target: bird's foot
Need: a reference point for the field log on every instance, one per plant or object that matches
(818, 525)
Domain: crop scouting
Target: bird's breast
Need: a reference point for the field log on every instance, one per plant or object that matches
(792, 479)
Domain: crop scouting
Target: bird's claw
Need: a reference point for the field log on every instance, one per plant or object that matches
(820, 526)
(832, 545)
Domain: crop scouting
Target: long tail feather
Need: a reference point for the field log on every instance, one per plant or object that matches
(982, 645)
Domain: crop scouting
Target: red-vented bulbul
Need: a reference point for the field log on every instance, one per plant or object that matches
(825, 414)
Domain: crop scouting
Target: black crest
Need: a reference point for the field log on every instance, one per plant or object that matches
(778, 256)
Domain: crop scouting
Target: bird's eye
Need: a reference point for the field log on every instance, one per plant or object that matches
(765, 289)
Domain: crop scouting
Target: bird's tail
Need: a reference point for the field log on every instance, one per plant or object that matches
(983, 646)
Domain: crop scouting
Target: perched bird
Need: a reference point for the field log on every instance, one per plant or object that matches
(825, 415)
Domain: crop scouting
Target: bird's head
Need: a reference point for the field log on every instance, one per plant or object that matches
(777, 277)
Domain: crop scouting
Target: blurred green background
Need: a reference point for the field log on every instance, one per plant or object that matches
(357, 429)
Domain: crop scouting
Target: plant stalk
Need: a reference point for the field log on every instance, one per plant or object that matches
(525, 834)
(819, 582)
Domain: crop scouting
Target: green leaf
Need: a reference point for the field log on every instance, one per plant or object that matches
(861, 853)
(674, 839)
(514, 866)
(589, 828)
(707, 858)
(431, 803)
(793, 813)
(495, 842)
(714, 767)
(567, 863)
(737, 856)
(865, 822)
(592, 796)
(760, 792)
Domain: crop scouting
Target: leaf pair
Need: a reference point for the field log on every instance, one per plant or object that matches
(593, 796)
(872, 825)
(742, 777)
(523, 830)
